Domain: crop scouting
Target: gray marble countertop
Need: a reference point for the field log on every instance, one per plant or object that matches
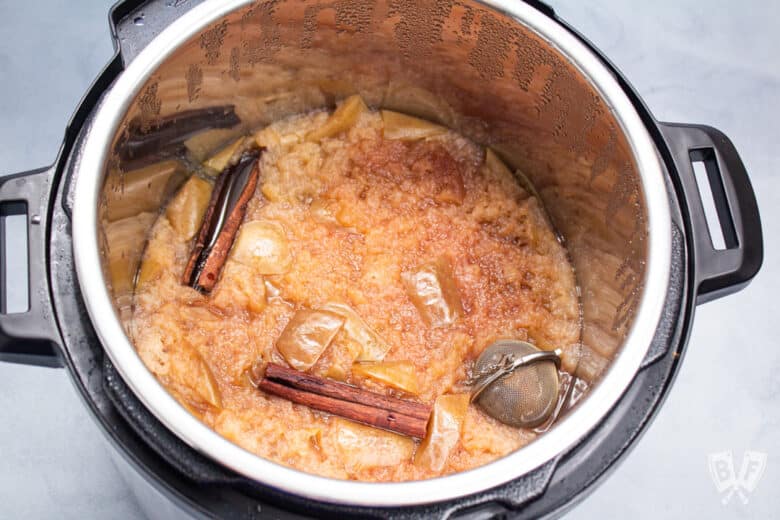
(712, 62)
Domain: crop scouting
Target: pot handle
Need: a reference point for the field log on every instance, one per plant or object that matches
(29, 336)
(719, 272)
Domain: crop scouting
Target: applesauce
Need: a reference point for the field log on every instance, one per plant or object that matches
(354, 212)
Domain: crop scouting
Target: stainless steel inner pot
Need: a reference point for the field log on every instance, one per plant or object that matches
(497, 71)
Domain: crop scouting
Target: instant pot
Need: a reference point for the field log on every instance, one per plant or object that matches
(619, 186)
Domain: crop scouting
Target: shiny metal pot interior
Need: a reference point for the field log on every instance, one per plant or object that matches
(497, 71)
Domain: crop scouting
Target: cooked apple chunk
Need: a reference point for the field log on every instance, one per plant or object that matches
(364, 447)
(443, 431)
(431, 288)
(407, 128)
(306, 337)
(262, 245)
(395, 374)
(342, 119)
(226, 156)
(185, 211)
(365, 343)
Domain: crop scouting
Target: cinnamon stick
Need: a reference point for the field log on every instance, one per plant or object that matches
(233, 190)
(376, 410)
(344, 392)
(376, 417)
(202, 237)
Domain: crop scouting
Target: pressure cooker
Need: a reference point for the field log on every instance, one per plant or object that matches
(619, 186)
